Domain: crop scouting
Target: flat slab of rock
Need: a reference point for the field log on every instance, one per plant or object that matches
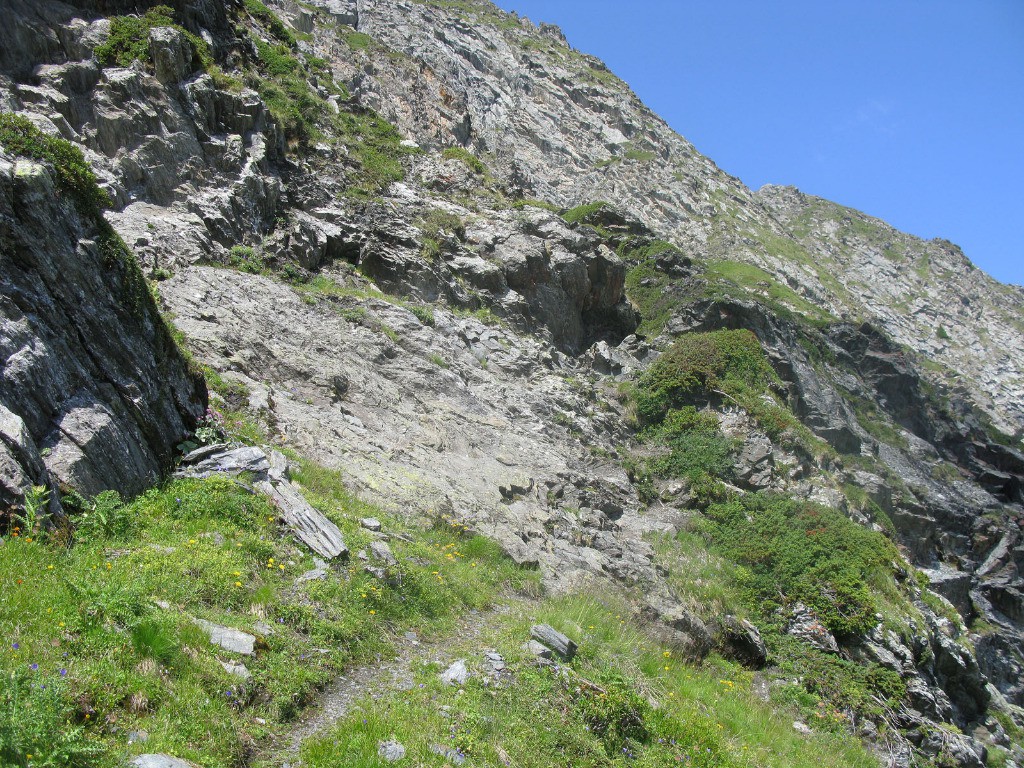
(553, 639)
(456, 674)
(370, 523)
(160, 761)
(236, 669)
(310, 525)
(203, 462)
(319, 572)
(234, 640)
(539, 650)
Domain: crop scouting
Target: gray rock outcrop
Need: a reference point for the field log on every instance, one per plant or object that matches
(94, 393)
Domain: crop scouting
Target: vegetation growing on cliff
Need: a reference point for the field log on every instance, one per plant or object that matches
(129, 39)
(20, 136)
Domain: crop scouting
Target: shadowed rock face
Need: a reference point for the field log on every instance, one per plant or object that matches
(93, 391)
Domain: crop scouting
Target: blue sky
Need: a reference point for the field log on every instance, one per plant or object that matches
(909, 110)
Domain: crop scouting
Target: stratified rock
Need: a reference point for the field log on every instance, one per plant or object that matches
(380, 551)
(676, 626)
(159, 761)
(310, 525)
(102, 394)
(553, 639)
(221, 460)
(171, 53)
(805, 625)
(743, 642)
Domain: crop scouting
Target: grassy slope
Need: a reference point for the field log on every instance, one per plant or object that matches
(647, 709)
(86, 620)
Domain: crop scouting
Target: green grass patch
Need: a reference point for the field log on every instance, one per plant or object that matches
(624, 700)
(376, 147)
(544, 205)
(247, 259)
(471, 161)
(581, 212)
(357, 41)
(19, 136)
(87, 622)
(271, 22)
(751, 279)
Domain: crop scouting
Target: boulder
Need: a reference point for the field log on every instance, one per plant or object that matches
(743, 642)
(171, 52)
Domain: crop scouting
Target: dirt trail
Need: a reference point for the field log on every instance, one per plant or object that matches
(377, 679)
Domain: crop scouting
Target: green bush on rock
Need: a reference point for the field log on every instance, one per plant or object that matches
(799, 551)
(129, 39)
(19, 136)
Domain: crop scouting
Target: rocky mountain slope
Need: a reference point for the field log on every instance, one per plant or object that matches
(432, 247)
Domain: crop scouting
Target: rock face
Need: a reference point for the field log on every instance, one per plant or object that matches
(571, 132)
(93, 392)
(455, 341)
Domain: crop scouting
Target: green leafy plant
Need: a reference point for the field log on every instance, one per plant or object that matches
(36, 726)
(29, 521)
(20, 136)
(129, 39)
(105, 517)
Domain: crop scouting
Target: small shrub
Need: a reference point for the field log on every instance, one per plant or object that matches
(799, 551)
(129, 39)
(617, 715)
(20, 136)
(424, 314)
(582, 212)
(434, 225)
(471, 161)
(700, 365)
(246, 259)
